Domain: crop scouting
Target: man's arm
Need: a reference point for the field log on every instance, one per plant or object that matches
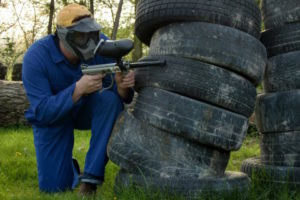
(45, 107)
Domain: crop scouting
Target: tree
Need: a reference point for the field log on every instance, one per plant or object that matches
(92, 6)
(9, 54)
(51, 13)
(117, 21)
(137, 53)
(28, 35)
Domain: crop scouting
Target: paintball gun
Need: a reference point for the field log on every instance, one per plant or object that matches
(116, 49)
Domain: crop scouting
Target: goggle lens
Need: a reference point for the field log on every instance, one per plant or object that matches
(82, 38)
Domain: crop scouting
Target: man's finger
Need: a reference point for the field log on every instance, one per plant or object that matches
(129, 74)
(128, 78)
(96, 77)
(128, 82)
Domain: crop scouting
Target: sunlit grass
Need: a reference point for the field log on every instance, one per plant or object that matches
(18, 172)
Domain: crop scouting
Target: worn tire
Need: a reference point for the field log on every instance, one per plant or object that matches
(3, 71)
(200, 81)
(278, 112)
(191, 119)
(188, 188)
(281, 40)
(277, 12)
(139, 147)
(17, 72)
(280, 149)
(219, 45)
(154, 14)
(278, 175)
(283, 73)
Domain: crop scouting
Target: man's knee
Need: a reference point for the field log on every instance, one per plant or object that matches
(55, 177)
(54, 157)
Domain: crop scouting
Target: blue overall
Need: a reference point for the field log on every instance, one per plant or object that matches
(49, 80)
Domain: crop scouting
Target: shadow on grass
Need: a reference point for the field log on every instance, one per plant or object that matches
(263, 187)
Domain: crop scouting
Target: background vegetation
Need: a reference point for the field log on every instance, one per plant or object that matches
(31, 20)
(22, 22)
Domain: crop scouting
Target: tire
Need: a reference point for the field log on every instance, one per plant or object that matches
(191, 119)
(3, 71)
(278, 112)
(277, 12)
(282, 40)
(280, 149)
(138, 147)
(154, 14)
(199, 81)
(215, 44)
(189, 188)
(277, 175)
(283, 73)
(17, 72)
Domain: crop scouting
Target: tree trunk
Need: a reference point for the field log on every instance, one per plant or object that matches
(137, 52)
(51, 13)
(117, 21)
(92, 6)
(13, 103)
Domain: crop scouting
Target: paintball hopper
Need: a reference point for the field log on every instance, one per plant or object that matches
(114, 48)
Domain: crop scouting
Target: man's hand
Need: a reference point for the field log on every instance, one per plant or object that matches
(124, 83)
(86, 85)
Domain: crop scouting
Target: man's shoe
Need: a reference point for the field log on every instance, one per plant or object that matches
(87, 189)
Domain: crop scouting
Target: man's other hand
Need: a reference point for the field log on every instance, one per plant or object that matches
(124, 83)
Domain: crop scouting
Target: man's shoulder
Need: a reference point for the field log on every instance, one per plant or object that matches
(40, 47)
(41, 43)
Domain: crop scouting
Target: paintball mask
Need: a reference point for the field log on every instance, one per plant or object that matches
(81, 38)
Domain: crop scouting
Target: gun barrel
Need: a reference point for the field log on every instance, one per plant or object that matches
(103, 68)
(147, 64)
(115, 67)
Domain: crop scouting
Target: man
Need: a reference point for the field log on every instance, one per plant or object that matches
(62, 99)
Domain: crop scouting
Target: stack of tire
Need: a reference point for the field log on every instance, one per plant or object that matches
(3, 71)
(17, 72)
(191, 113)
(278, 110)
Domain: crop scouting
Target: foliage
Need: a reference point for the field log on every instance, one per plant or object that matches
(30, 18)
(258, 2)
(9, 54)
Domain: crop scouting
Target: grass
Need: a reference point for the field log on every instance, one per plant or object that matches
(18, 172)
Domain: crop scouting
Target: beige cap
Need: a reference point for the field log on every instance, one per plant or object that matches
(67, 16)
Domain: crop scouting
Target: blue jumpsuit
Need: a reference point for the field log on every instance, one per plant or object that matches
(49, 80)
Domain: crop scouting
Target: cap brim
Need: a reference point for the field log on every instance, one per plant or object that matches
(86, 25)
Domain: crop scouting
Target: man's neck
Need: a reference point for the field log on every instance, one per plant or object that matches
(70, 57)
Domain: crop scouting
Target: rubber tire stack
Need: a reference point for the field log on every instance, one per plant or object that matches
(3, 71)
(278, 110)
(192, 112)
(17, 72)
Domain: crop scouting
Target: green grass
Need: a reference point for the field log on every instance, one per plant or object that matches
(18, 172)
